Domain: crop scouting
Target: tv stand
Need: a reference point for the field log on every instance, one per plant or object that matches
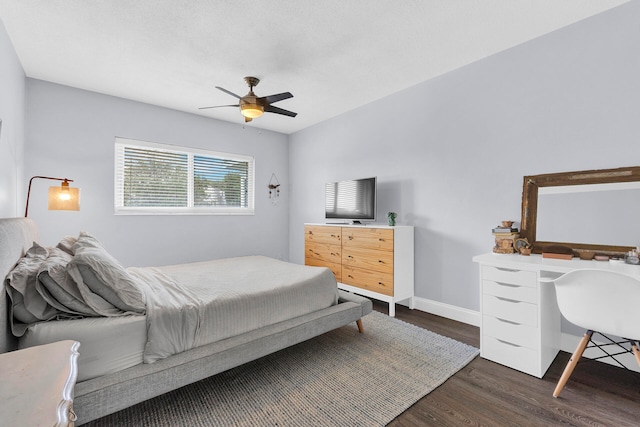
(355, 222)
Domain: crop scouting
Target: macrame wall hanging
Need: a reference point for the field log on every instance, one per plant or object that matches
(274, 189)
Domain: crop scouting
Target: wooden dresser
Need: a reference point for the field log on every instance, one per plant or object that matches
(36, 385)
(374, 260)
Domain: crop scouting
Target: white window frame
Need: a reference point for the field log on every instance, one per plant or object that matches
(190, 209)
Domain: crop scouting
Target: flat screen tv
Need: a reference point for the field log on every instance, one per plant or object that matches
(353, 200)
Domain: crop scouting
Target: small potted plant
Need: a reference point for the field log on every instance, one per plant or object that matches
(391, 216)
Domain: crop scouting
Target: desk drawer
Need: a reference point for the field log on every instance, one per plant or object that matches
(507, 275)
(510, 291)
(514, 311)
(514, 333)
(514, 356)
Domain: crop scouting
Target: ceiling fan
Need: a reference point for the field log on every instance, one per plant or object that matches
(252, 106)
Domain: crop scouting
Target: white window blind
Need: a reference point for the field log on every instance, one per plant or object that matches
(153, 178)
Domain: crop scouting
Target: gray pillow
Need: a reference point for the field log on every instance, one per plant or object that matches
(27, 305)
(97, 273)
(66, 244)
(57, 287)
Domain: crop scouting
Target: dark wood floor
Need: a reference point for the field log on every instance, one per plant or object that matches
(485, 393)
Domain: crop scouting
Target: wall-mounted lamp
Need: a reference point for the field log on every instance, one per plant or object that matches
(274, 189)
(62, 198)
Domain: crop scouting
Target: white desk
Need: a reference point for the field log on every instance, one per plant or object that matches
(521, 322)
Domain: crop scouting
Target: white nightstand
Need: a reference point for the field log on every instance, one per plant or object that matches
(36, 385)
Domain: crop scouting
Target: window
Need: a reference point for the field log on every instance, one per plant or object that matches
(155, 178)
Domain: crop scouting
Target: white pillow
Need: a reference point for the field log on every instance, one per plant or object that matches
(57, 287)
(101, 279)
(27, 305)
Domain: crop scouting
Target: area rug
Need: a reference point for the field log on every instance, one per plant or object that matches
(341, 378)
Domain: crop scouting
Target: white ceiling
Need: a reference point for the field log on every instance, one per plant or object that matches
(332, 55)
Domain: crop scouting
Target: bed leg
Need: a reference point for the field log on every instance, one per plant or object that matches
(360, 327)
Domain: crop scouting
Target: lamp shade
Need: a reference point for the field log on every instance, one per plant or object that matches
(64, 198)
(251, 111)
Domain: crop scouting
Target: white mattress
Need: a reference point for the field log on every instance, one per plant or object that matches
(107, 344)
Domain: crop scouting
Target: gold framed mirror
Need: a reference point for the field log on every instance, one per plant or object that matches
(534, 185)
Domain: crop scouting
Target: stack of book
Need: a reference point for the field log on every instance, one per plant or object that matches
(505, 239)
(504, 230)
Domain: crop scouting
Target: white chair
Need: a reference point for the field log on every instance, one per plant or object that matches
(603, 302)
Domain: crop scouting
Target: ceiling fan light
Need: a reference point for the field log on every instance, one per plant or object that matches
(251, 111)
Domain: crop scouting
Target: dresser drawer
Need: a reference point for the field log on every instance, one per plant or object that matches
(324, 251)
(318, 233)
(512, 355)
(506, 275)
(510, 291)
(371, 238)
(368, 259)
(514, 333)
(336, 268)
(367, 279)
(511, 310)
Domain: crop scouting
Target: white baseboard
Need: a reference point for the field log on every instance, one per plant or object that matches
(452, 312)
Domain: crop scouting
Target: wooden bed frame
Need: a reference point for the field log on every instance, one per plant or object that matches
(110, 393)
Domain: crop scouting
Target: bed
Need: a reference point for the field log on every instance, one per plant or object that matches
(131, 352)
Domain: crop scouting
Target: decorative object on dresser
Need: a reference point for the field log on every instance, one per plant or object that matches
(391, 216)
(374, 261)
(37, 385)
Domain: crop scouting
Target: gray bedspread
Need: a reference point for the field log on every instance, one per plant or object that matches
(190, 305)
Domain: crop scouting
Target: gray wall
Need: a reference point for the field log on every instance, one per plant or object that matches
(450, 153)
(71, 133)
(12, 88)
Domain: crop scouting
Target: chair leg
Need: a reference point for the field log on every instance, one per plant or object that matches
(573, 361)
(636, 352)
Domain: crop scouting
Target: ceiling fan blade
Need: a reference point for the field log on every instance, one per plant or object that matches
(218, 106)
(278, 97)
(272, 109)
(228, 92)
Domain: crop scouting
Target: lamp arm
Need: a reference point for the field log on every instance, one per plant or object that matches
(26, 208)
